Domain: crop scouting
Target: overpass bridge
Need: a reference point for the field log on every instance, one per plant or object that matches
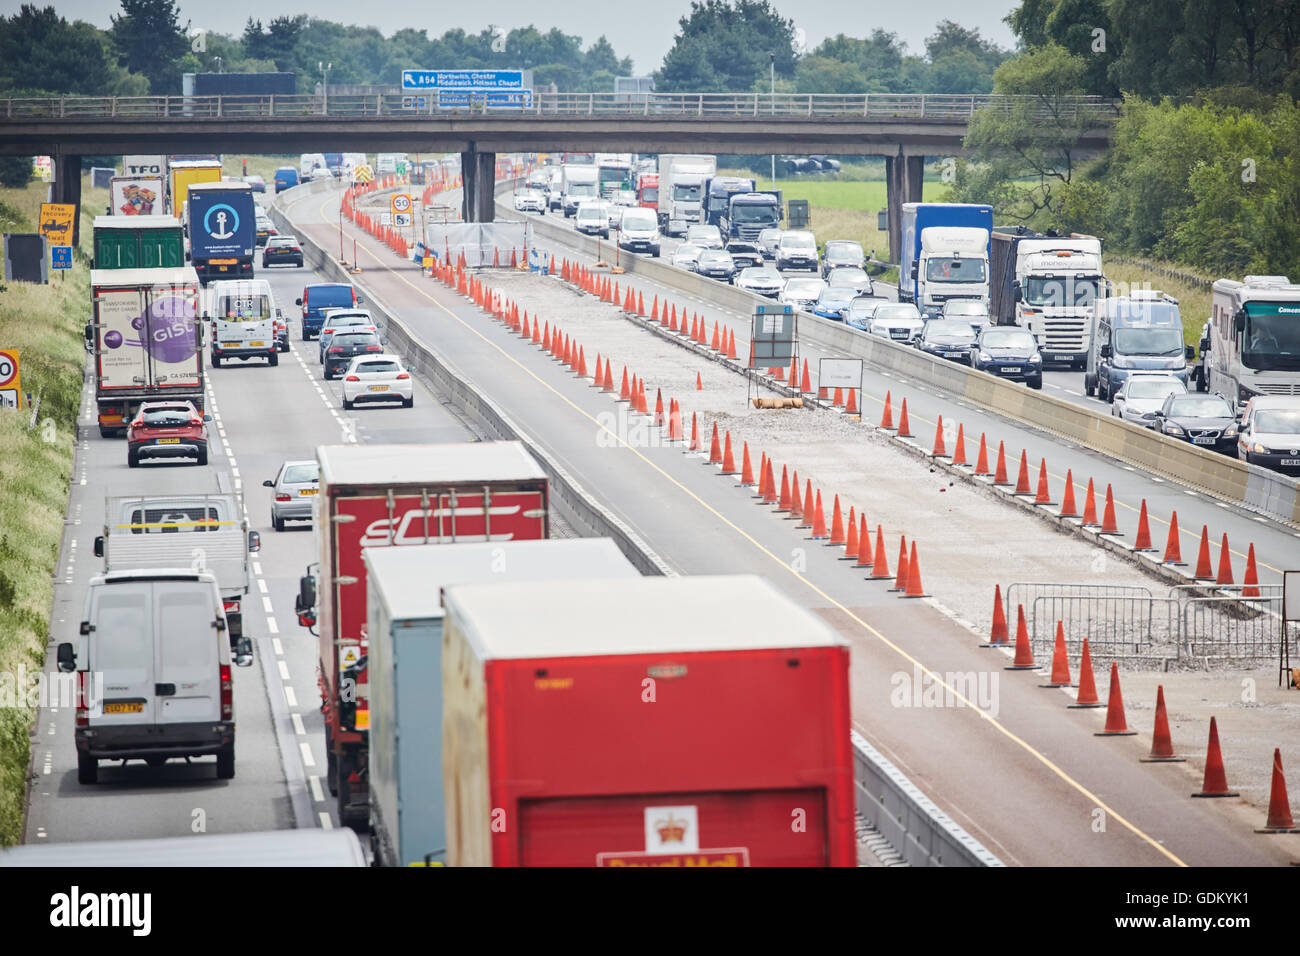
(903, 128)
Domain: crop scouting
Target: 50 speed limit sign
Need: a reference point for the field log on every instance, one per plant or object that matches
(10, 380)
(401, 202)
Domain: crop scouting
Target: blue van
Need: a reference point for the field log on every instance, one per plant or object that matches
(285, 177)
(324, 295)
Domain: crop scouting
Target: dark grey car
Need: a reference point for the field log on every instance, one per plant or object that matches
(344, 346)
(1205, 420)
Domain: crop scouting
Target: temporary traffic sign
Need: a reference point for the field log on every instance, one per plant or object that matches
(401, 219)
(56, 222)
(400, 202)
(11, 386)
(385, 218)
(61, 257)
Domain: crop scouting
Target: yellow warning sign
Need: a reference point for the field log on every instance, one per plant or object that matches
(56, 222)
(426, 262)
(348, 656)
(362, 173)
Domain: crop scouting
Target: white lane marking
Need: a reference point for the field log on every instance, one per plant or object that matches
(257, 567)
(317, 794)
(271, 626)
(307, 759)
(284, 670)
(266, 605)
(261, 585)
(298, 728)
(289, 696)
(279, 648)
(325, 822)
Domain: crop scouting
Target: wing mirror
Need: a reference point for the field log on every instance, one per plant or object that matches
(1105, 351)
(67, 658)
(305, 604)
(254, 541)
(1189, 352)
(268, 483)
(244, 652)
(297, 301)
(99, 546)
(1239, 320)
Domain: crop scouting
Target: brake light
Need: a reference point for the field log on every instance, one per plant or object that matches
(326, 331)
(403, 375)
(372, 348)
(352, 378)
(362, 719)
(196, 421)
(336, 348)
(281, 497)
(227, 694)
(83, 711)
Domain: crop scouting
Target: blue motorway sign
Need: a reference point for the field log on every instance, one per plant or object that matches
(61, 257)
(463, 80)
(505, 100)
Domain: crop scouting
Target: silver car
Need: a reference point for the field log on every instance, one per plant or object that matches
(686, 255)
(295, 487)
(1141, 396)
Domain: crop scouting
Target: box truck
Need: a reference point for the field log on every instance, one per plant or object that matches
(577, 184)
(681, 189)
(138, 242)
(686, 721)
(407, 815)
(136, 196)
(145, 337)
(945, 254)
(1046, 283)
(184, 174)
(222, 227)
(378, 496)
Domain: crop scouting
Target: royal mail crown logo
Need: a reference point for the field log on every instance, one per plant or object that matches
(671, 830)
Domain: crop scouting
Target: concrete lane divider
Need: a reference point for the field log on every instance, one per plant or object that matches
(1228, 479)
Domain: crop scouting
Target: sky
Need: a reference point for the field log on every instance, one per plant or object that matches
(642, 31)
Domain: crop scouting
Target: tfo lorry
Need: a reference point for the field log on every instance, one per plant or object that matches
(945, 254)
(377, 496)
(1047, 284)
(222, 228)
(242, 314)
(204, 532)
(1255, 338)
(407, 813)
(681, 190)
(683, 721)
(146, 339)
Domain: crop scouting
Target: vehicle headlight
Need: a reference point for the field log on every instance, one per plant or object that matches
(985, 357)
(1230, 431)
(1259, 449)
(1035, 359)
(1172, 428)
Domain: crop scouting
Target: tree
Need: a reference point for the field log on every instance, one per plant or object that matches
(725, 46)
(601, 56)
(41, 50)
(150, 41)
(820, 74)
(15, 171)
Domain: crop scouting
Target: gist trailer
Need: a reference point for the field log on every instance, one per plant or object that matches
(379, 496)
(691, 721)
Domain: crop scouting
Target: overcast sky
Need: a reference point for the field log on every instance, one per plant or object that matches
(641, 31)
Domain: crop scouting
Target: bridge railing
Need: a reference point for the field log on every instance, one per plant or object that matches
(936, 106)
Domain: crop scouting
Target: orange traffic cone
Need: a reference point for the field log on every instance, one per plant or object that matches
(1090, 508)
(1087, 695)
(582, 363)
(699, 383)
(838, 400)
(624, 393)
(887, 417)
(1162, 744)
(809, 506)
(819, 519)
(526, 333)
(939, 450)
(695, 433)
(675, 421)
(1143, 539)
(1116, 726)
(1024, 659)
(746, 468)
(1215, 783)
(1043, 497)
(959, 453)
(796, 502)
(851, 406)
(900, 580)
(1000, 476)
(1225, 563)
(1204, 572)
(998, 632)
(1173, 553)
(716, 344)
(805, 383)
(1108, 525)
(851, 540)
(1279, 807)
(654, 313)
(659, 407)
(728, 458)
(731, 345)
(1022, 477)
(640, 398)
(715, 448)
(783, 502)
(914, 588)
(904, 430)
(864, 543)
(982, 458)
(608, 385)
(771, 497)
(880, 563)
(1251, 579)
(1060, 661)
(640, 305)
(837, 526)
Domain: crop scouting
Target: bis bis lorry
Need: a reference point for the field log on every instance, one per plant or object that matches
(1047, 284)
(138, 242)
(407, 814)
(657, 721)
(377, 496)
(145, 337)
(945, 254)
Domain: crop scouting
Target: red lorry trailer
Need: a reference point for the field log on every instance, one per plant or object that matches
(695, 721)
(374, 496)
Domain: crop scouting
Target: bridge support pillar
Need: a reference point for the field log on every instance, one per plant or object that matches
(903, 177)
(478, 177)
(67, 189)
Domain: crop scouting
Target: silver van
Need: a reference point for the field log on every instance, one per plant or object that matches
(154, 671)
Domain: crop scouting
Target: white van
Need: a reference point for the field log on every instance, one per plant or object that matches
(242, 315)
(153, 671)
(388, 164)
(309, 161)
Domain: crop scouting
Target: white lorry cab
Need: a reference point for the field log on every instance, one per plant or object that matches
(242, 314)
(153, 667)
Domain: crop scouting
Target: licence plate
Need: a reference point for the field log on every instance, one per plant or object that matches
(307, 491)
(1288, 462)
(952, 355)
(169, 441)
(256, 345)
(1203, 441)
(230, 345)
(1062, 358)
(1011, 368)
(378, 388)
(124, 707)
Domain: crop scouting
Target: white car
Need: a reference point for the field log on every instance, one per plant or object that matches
(687, 255)
(592, 218)
(704, 235)
(761, 280)
(377, 378)
(802, 293)
(320, 172)
(900, 321)
(797, 250)
(972, 310)
(1141, 395)
(853, 277)
(530, 200)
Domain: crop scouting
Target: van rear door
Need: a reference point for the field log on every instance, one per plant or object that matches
(187, 655)
(121, 649)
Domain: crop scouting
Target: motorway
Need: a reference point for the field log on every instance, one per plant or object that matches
(1029, 783)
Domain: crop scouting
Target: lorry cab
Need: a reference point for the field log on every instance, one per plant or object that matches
(153, 667)
(242, 315)
(1139, 331)
(953, 265)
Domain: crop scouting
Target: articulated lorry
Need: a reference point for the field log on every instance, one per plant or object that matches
(379, 496)
(685, 721)
(223, 230)
(749, 213)
(136, 196)
(1255, 338)
(405, 626)
(146, 340)
(681, 190)
(138, 242)
(716, 196)
(945, 254)
(203, 532)
(184, 174)
(1047, 284)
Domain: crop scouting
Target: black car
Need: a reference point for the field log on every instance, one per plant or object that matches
(842, 252)
(1008, 353)
(344, 345)
(282, 250)
(744, 254)
(947, 339)
(1205, 420)
(716, 264)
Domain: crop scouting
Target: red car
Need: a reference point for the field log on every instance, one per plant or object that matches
(167, 430)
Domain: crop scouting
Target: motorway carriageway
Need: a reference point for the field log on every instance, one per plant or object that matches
(1029, 784)
(261, 417)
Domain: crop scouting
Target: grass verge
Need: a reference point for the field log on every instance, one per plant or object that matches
(45, 323)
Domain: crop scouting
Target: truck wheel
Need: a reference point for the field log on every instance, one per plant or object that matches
(87, 769)
(105, 432)
(274, 358)
(331, 766)
(226, 762)
(133, 458)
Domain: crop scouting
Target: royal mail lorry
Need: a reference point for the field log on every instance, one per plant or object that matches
(379, 496)
(405, 585)
(686, 721)
(145, 338)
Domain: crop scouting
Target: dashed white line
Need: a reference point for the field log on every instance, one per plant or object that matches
(298, 728)
(284, 670)
(317, 794)
(257, 567)
(277, 646)
(307, 759)
(290, 697)
(261, 585)
(325, 822)
(271, 626)
(266, 605)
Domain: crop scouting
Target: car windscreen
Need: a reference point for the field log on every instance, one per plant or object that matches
(897, 312)
(166, 416)
(172, 519)
(683, 192)
(1200, 406)
(301, 474)
(353, 340)
(1141, 387)
(248, 308)
(805, 288)
(715, 259)
(960, 307)
(1272, 338)
(864, 306)
(639, 222)
(1282, 421)
(1007, 339)
(938, 327)
(843, 252)
(847, 276)
(1052, 291)
(322, 297)
(761, 275)
(754, 212)
(686, 250)
(370, 368)
(1149, 341)
(798, 241)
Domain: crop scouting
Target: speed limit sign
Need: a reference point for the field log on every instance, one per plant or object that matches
(401, 202)
(10, 380)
